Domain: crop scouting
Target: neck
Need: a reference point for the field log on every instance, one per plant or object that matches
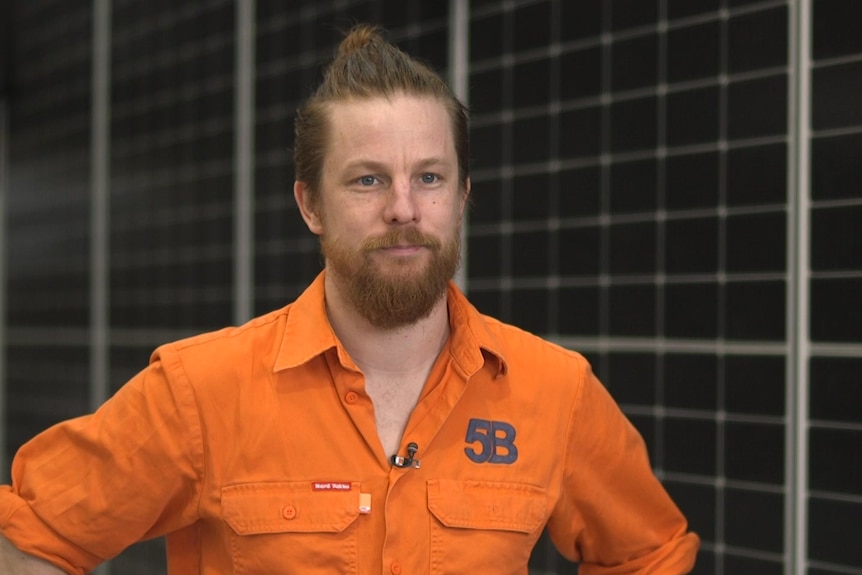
(386, 351)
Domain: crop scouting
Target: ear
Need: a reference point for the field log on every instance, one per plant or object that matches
(465, 197)
(302, 195)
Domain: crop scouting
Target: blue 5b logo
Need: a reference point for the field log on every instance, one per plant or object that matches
(496, 441)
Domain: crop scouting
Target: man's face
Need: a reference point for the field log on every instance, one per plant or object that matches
(390, 206)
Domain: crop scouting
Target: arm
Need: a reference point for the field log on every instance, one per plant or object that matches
(614, 516)
(87, 488)
(14, 562)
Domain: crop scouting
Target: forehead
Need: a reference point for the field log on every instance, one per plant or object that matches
(401, 128)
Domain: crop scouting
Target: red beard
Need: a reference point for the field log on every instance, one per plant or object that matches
(400, 295)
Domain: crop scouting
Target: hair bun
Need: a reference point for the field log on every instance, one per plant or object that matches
(358, 38)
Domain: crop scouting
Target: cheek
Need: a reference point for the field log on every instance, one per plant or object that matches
(454, 214)
(345, 231)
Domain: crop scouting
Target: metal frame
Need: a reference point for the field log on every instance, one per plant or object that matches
(798, 300)
(100, 115)
(243, 304)
(459, 68)
(4, 163)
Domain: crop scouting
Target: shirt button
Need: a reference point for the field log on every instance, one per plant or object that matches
(289, 512)
(395, 568)
(351, 397)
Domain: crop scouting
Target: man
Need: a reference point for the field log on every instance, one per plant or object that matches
(378, 423)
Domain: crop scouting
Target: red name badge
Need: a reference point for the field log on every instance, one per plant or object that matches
(331, 486)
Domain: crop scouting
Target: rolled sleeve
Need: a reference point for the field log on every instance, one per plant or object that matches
(20, 525)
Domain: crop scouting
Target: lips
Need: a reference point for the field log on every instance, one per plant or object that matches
(403, 248)
(401, 240)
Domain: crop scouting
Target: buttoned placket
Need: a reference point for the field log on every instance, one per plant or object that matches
(349, 384)
(446, 385)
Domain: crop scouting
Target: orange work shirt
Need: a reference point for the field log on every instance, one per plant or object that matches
(255, 451)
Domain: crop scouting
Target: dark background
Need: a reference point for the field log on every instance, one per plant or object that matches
(670, 186)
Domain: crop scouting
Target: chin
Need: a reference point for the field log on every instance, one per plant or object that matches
(402, 266)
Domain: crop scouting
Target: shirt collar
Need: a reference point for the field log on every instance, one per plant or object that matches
(308, 333)
(472, 338)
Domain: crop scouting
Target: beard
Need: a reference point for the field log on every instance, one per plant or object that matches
(401, 294)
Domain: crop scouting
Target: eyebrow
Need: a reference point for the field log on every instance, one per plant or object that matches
(374, 166)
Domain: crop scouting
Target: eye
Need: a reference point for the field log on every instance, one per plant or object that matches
(367, 181)
(429, 178)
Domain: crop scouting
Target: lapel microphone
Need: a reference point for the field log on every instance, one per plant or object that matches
(409, 461)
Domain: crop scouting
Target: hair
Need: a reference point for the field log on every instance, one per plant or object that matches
(367, 66)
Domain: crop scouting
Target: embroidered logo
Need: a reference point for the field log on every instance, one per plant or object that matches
(495, 439)
(331, 486)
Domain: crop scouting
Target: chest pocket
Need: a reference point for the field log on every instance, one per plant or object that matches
(484, 526)
(285, 528)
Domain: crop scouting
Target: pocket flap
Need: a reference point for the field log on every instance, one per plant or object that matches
(488, 505)
(283, 507)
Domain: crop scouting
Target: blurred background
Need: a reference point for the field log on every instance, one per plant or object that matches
(672, 187)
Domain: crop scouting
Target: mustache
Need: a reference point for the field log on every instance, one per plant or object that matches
(395, 238)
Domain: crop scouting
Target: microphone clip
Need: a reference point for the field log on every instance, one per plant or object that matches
(409, 461)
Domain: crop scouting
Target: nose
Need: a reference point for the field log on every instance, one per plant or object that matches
(401, 206)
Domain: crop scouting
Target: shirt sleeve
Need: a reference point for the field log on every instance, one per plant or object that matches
(614, 516)
(87, 488)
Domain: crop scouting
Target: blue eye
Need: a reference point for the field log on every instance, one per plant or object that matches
(367, 181)
(428, 178)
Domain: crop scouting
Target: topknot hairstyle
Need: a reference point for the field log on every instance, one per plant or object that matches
(367, 66)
